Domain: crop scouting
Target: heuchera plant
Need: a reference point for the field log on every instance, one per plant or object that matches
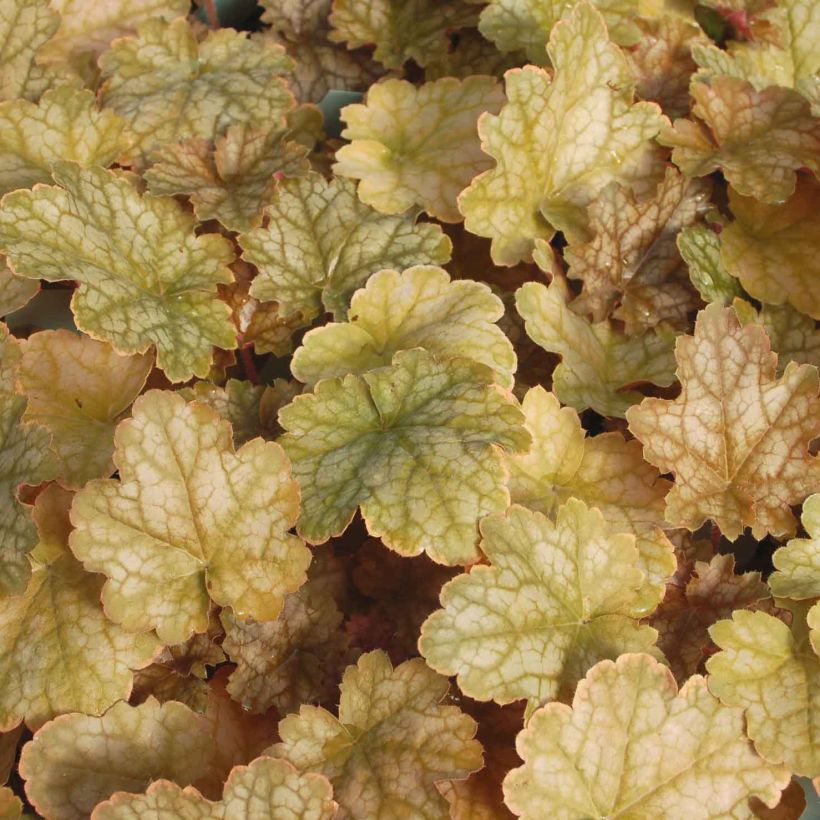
(460, 462)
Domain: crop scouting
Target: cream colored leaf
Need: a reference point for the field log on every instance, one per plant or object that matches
(686, 613)
(700, 248)
(417, 145)
(599, 363)
(606, 471)
(633, 746)
(79, 389)
(400, 29)
(392, 741)
(58, 651)
(189, 520)
(65, 125)
(321, 244)
(557, 598)
(267, 788)
(25, 26)
(737, 438)
(15, 291)
(661, 61)
(544, 176)
(289, 661)
(417, 445)
(395, 311)
(772, 249)
(527, 24)
(76, 761)
(169, 87)
(89, 28)
(797, 564)
(631, 268)
(144, 276)
(773, 673)
(757, 138)
(232, 179)
(25, 458)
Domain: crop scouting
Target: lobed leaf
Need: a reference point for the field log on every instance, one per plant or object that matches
(321, 244)
(417, 146)
(144, 277)
(189, 520)
(737, 438)
(169, 87)
(265, 788)
(393, 739)
(633, 745)
(557, 598)
(797, 564)
(79, 389)
(395, 311)
(599, 363)
(544, 177)
(773, 674)
(417, 445)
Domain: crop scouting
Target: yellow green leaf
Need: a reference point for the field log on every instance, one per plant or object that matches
(400, 29)
(772, 249)
(144, 276)
(795, 337)
(527, 24)
(231, 179)
(89, 28)
(544, 176)
(757, 138)
(321, 244)
(65, 125)
(501, 643)
(655, 752)
(417, 145)
(265, 788)
(790, 58)
(772, 672)
(797, 564)
(79, 389)
(25, 26)
(630, 267)
(599, 362)
(605, 471)
(169, 87)
(15, 291)
(25, 458)
(737, 438)
(189, 520)
(289, 661)
(76, 761)
(417, 445)
(395, 311)
(392, 740)
(700, 248)
(686, 613)
(58, 651)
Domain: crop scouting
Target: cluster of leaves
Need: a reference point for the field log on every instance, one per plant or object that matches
(461, 466)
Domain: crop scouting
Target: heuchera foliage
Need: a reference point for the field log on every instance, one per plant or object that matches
(457, 460)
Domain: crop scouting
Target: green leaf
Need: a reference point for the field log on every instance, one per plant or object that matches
(395, 311)
(144, 277)
(416, 445)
